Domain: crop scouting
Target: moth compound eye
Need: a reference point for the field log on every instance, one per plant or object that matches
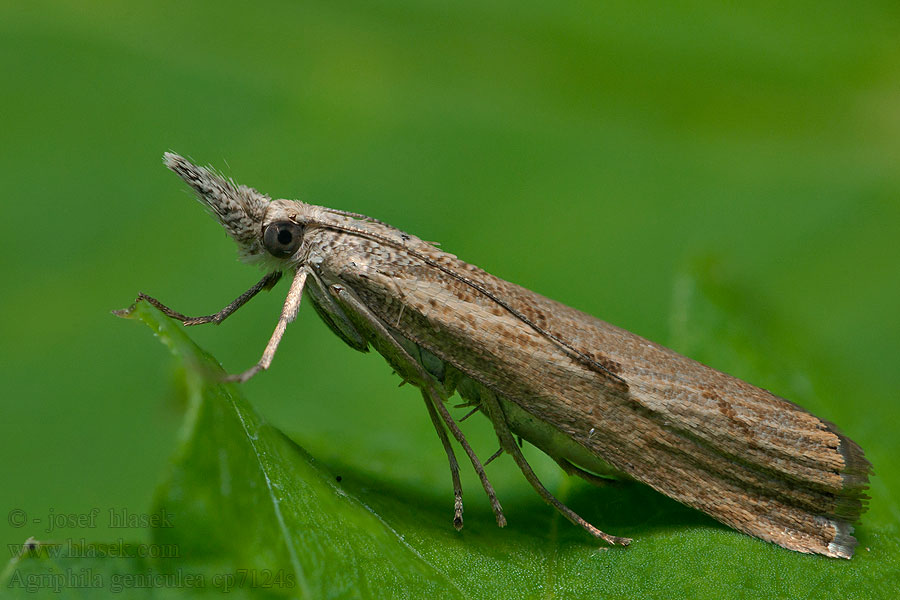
(283, 238)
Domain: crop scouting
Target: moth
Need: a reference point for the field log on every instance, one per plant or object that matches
(604, 403)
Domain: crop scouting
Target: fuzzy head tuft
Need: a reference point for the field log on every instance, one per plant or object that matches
(239, 209)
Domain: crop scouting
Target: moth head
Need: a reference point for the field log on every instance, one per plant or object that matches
(238, 208)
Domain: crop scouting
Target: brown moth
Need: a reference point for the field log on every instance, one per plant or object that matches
(603, 402)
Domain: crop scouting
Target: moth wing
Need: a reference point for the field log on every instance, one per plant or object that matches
(743, 455)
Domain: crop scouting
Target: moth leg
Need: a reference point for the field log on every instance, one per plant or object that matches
(288, 314)
(429, 391)
(451, 458)
(266, 283)
(468, 414)
(572, 469)
(493, 456)
(495, 413)
(476, 464)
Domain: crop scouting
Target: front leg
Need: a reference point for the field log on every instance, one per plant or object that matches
(266, 283)
(288, 314)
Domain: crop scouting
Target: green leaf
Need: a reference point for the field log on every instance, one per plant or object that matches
(249, 499)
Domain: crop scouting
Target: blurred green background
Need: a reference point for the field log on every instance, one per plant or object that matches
(589, 151)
